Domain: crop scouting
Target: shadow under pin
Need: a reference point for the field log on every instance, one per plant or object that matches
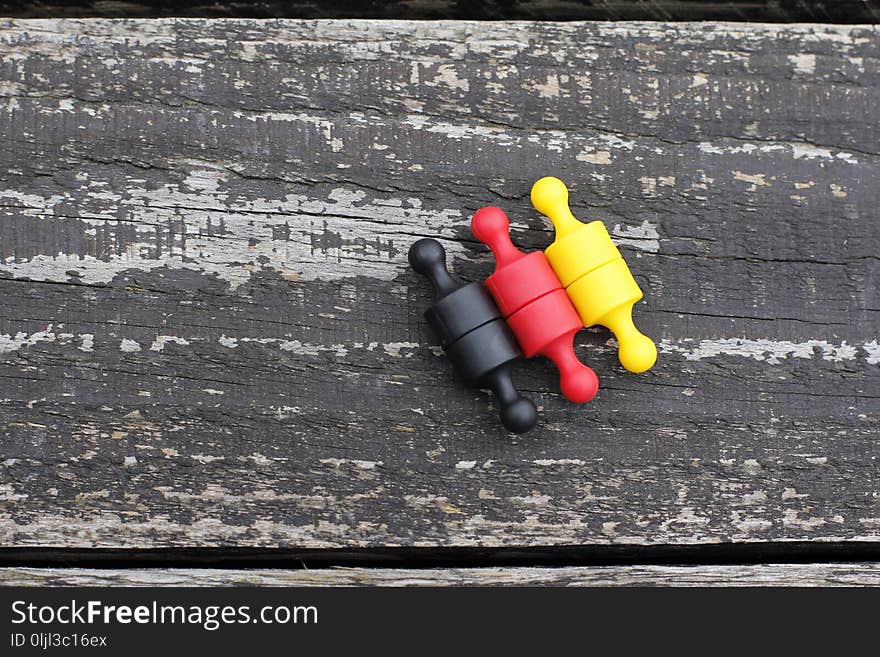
(473, 333)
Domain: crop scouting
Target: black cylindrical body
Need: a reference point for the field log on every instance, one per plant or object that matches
(462, 311)
(476, 354)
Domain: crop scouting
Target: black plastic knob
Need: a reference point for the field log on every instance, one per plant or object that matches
(476, 338)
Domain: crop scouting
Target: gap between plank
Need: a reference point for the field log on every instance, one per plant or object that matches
(464, 557)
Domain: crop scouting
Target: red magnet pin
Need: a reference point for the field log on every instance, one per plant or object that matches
(534, 303)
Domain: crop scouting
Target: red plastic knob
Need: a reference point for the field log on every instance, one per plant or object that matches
(536, 307)
(519, 277)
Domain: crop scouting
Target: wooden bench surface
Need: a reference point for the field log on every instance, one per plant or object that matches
(209, 335)
(802, 575)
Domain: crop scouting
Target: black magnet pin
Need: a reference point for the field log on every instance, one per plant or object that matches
(474, 334)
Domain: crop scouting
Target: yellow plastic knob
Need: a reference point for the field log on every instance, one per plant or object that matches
(594, 274)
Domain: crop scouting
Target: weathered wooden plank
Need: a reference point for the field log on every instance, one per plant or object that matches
(819, 574)
(209, 335)
(836, 11)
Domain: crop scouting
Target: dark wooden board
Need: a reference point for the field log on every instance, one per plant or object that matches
(210, 337)
(810, 574)
(836, 11)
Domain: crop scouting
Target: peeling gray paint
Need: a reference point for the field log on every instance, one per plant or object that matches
(209, 335)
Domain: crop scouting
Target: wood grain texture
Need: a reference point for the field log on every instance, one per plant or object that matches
(837, 574)
(209, 335)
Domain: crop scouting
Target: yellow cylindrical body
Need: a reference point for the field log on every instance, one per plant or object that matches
(596, 294)
(581, 251)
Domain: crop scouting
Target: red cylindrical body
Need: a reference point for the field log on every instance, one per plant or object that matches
(543, 321)
(522, 282)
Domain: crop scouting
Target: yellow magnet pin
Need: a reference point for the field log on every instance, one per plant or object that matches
(594, 274)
